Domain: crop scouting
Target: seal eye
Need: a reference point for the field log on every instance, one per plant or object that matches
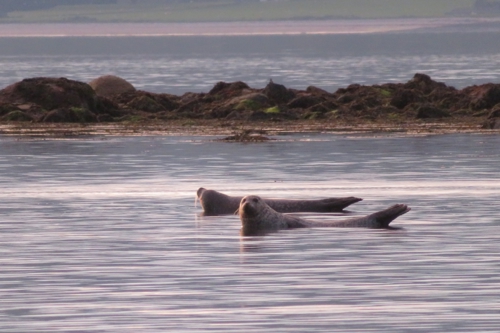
(255, 200)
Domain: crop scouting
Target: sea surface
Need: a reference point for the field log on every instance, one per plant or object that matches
(180, 58)
(102, 234)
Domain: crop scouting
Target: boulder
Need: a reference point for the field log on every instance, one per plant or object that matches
(51, 93)
(404, 97)
(304, 101)
(17, 115)
(69, 115)
(430, 111)
(228, 90)
(423, 83)
(145, 103)
(485, 96)
(110, 85)
(278, 93)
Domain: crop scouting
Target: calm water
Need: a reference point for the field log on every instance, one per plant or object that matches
(103, 235)
(179, 64)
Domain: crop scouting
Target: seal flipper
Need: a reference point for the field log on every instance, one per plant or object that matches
(383, 218)
(338, 204)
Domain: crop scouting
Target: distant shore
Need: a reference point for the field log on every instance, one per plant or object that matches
(313, 27)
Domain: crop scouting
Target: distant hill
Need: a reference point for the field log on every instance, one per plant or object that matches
(234, 10)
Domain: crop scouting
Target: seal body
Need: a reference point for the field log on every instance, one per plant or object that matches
(217, 203)
(256, 216)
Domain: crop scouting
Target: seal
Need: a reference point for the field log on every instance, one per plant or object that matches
(217, 203)
(256, 217)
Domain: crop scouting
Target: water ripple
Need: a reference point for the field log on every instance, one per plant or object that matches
(117, 245)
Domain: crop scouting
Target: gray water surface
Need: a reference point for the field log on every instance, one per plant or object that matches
(103, 235)
(195, 64)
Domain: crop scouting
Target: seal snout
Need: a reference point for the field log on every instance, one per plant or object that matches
(248, 204)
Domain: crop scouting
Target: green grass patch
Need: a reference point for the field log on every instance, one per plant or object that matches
(385, 93)
(274, 109)
(248, 104)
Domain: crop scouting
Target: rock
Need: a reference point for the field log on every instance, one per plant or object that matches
(484, 96)
(253, 101)
(403, 97)
(169, 102)
(423, 83)
(495, 112)
(69, 115)
(17, 116)
(492, 124)
(278, 93)
(7, 108)
(51, 93)
(228, 89)
(145, 103)
(430, 111)
(110, 85)
(304, 101)
(317, 91)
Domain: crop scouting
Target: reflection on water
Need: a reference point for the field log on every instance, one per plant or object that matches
(103, 235)
(179, 75)
(179, 64)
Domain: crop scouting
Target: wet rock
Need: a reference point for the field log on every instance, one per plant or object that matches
(247, 136)
(145, 103)
(430, 111)
(228, 90)
(52, 93)
(423, 83)
(7, 108)
(321, 108)
(492, 124)
(252, 101)
(17, 115)
(495, 112)
(69, 115)
(278, 93)
(484, 96)
(318, 92)
(110, 85)
(304, 101)
(401, 98)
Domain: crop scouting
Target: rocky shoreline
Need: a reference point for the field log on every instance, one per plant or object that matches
(111, 105)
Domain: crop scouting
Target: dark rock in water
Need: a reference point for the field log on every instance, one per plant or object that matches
(423, 83)
(484, 96)
(145, 103)
(304, 101)
(402, 98)
(429, 111)
(51, 93)
(17, 115)
(110, 85)
(69, 115)
(317, 91)
(105, 118)
(7, 108)
(495, 112)
(247, 136)
(278, 93)
(493, 123)
(228, 89)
